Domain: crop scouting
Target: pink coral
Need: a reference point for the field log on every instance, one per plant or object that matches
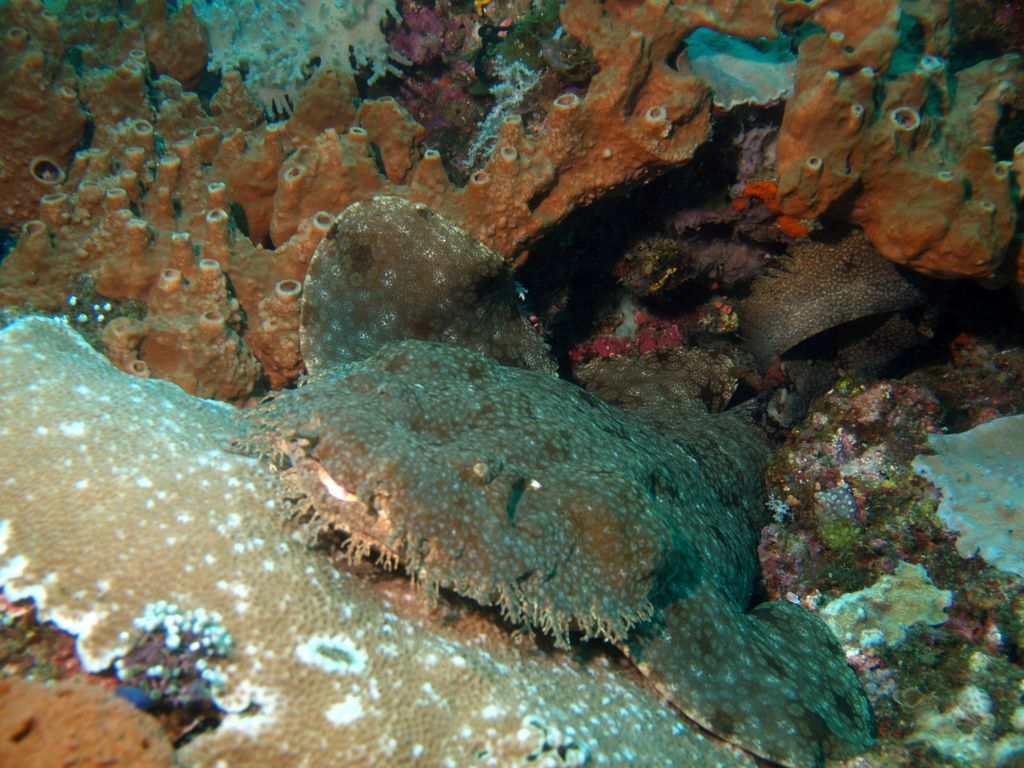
(653, 333)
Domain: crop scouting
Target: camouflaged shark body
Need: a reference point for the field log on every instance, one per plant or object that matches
(517, 489)
(520, 490)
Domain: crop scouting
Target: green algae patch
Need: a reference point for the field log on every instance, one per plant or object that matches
(839, 535)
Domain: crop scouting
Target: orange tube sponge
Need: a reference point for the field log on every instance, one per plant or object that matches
(858, 139)
(41, 119)
(44, 726)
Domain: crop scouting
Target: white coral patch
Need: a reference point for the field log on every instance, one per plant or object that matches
(72, 428)
(82, 624)
(338, 654)
(345, 712)
(238, 699)
(13, 569)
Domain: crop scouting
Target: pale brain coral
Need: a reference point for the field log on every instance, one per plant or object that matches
(341, 670)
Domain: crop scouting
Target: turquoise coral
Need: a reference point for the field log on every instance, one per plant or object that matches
(982, 483)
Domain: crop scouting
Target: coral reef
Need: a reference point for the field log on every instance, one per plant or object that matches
(765, 192)
(325, 33)
(983, 30)
(740, 71)
(982, 380)
(589, 146)
(170, 662)
(856, 533)
(638, 333)
(883, 612)
(40, 114)
(31, 650)
(682, 207)
(162, 165)
(160, 161)
(144, 214)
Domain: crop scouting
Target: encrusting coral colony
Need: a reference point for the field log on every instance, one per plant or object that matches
(511, 382)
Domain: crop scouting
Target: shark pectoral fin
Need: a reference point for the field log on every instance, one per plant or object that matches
(774, 682)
